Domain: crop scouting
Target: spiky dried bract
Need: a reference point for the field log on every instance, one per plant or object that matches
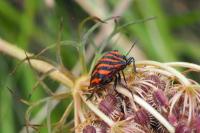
(93, 125)
(183, 128)
(142, 117)
(160, 98)
(171, 94)
(172, 119)
(157, 126)
(111, 106)
(196, 123)
(89, 129)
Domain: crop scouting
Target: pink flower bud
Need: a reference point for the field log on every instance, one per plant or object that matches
(183, 128)
(142, 117)
(111, 106)
(160, 98)
(172, 119)
(196, 124)
(89, 129)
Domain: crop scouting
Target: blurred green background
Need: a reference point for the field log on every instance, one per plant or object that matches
(34, 24)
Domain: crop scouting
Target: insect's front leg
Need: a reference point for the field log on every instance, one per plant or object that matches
(132, 60)
(124, 76)
(119, 77)
(115, 82)
(134, 66)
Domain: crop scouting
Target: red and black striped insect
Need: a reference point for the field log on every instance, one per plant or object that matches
(109, 68)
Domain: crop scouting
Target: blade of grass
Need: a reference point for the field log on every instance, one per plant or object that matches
(9, 12)
(158, 30)
(7, 118)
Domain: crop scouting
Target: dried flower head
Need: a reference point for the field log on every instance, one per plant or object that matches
(186, 100)
(173, 102)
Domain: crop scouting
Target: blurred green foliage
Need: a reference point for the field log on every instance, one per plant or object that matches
(33, 25)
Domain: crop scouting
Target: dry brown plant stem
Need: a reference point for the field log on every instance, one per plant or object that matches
(39, 65)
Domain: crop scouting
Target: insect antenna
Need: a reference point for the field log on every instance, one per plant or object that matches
(131, 48)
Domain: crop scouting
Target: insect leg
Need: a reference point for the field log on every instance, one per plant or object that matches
(125, 86)
(119, 77)
(90, 96)
(124, 76)
(92, 93)
(115, 82)
(129, 61)
(134, 66)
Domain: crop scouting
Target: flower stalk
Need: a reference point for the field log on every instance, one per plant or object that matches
(39, 65)
(97, 111)
(173, 71)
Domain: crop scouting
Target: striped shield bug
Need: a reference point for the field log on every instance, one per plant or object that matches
(108, 68)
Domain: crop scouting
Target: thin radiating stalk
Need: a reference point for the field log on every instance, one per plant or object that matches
(94, 109)
(147, 107)
(41, 115)
(39, 65)
(49, 105)
(173, 71)
(184, 64)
